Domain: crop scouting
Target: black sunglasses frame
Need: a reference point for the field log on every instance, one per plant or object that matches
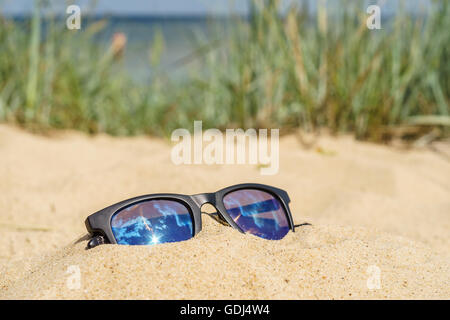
(99, 223)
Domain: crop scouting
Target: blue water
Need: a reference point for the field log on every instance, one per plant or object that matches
(182, 38)
(182, 35)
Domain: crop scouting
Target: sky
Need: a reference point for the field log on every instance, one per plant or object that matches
(168, 7)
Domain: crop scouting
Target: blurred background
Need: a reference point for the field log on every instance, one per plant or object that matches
(149, 67)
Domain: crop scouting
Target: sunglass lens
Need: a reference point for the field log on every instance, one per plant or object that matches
(152, 222)
(257, 212)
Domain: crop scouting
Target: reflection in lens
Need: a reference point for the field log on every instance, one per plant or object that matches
(152, 222)
(257, 212)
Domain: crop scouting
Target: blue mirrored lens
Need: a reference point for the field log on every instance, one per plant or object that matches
(257, 212)
(152, 222)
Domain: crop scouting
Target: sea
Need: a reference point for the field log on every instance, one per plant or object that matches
(185, 39)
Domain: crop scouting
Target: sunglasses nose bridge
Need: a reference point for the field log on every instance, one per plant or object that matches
(203, 198)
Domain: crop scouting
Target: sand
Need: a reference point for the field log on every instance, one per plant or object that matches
(377, 213)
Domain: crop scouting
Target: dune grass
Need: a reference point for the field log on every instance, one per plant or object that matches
(279, 71)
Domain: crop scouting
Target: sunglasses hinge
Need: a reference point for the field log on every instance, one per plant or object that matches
(96, 241)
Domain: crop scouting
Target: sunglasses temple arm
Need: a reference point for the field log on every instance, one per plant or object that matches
(302, 224)
(218, 218)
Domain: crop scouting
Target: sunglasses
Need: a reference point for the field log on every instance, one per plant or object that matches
(251, 208)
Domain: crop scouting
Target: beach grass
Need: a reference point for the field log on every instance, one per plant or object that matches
(271, 71)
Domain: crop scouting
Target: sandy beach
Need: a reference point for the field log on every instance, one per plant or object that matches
(376, 211)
